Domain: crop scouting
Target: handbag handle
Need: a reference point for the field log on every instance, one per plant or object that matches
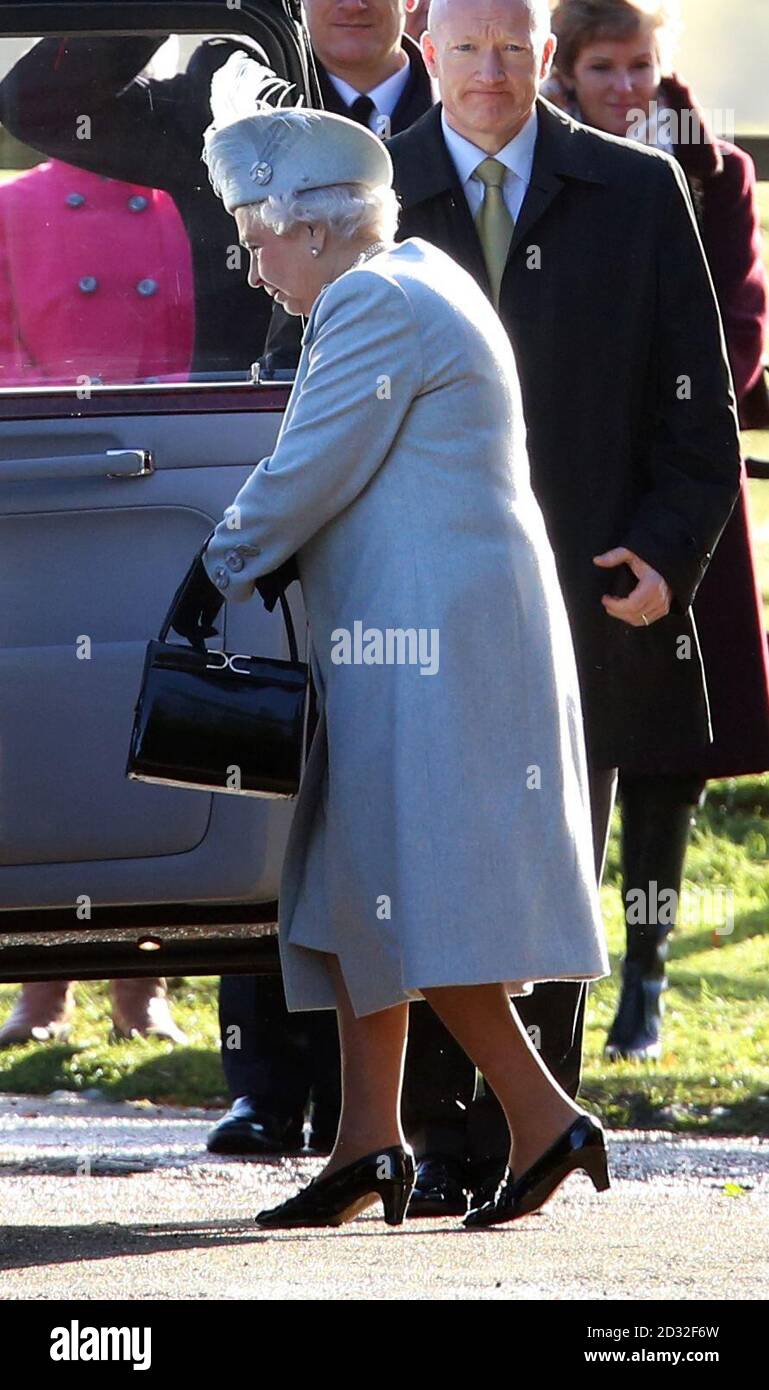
(181, 592)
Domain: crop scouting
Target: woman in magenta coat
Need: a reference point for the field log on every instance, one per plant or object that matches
(609, 73)
(115, 305)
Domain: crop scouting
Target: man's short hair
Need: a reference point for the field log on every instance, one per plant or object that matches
(540, 16)
(539, 11)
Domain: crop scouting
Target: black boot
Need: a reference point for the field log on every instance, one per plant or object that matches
(636, 1033)
(657, 813)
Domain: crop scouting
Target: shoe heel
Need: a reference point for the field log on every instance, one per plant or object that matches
(395, 1199)
(597, 1168)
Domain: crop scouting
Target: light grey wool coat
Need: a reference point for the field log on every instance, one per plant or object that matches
(441, 834)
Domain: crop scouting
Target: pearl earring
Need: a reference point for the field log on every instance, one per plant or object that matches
(314, 250)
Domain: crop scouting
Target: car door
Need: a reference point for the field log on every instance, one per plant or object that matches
(129, 418)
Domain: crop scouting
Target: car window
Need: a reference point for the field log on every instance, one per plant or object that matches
(118, 263)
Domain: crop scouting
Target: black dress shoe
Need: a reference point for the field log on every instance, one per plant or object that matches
(247, 1129)
(322, 1139)
(582, 1145)
(485, 1179)
(439, 1189)
(328, 1201)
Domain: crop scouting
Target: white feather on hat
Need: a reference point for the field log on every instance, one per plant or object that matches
(257, 146)
(242, 86)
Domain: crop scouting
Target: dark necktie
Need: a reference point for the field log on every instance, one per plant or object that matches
(361, 110)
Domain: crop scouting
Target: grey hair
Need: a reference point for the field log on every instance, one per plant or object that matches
(539, 15)
(345, 208)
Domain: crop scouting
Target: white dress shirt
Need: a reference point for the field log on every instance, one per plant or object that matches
(517, 156)
(385, 95)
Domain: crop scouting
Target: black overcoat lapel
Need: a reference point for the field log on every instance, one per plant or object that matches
(434, 205)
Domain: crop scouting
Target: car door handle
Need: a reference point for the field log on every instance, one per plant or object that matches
(112, 463)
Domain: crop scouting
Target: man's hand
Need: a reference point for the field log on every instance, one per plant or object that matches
(650, 599)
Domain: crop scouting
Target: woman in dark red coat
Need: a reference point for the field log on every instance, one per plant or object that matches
(609, 73)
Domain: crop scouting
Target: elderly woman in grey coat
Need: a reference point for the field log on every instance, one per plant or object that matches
(441, 845)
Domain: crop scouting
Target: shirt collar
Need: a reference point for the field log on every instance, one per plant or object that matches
(385, 95)
(517, 155)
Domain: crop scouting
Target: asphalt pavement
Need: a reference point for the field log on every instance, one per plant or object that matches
(122, 1201)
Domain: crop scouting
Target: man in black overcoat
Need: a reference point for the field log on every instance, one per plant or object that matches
(632, 436)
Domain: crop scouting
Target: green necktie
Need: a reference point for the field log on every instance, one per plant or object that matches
(494, 223)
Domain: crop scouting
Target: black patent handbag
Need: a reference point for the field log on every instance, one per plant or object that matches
(217, 721)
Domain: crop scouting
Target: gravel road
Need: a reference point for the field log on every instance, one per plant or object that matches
(115, 1201)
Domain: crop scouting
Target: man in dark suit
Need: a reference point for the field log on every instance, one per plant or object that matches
(370, 71)
(368, 67)
(588, 247)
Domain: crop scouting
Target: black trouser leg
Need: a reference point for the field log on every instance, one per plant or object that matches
(438, 1086)
(656, 822)
(439, 1112)
(272, 1055)
(553, 1014)
(325, 1069)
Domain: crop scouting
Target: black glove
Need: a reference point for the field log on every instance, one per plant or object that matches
(272, 585)
(195, 605)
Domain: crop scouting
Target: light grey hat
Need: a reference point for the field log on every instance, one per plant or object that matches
(277, 150)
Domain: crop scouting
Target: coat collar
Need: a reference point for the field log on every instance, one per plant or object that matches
(700, 158)
(417, 96)
(424, 170)
(564, 150)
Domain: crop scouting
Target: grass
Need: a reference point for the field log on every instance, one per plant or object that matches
(139, 1069)
(713, 1076)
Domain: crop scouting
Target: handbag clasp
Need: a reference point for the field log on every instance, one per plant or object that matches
(228, 661)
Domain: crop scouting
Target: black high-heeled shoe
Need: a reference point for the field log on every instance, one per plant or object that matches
(328, 1201)
(582, 1145)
